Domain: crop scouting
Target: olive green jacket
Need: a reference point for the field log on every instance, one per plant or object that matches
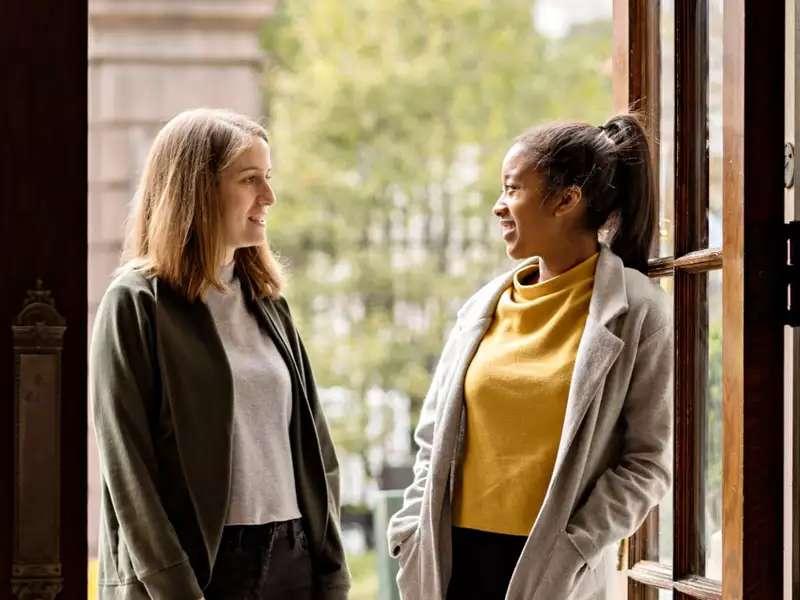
(162, 395)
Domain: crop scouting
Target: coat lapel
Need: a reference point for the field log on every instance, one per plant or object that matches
(598, 349)
(597, 352)
(268, 316)
(200, 396)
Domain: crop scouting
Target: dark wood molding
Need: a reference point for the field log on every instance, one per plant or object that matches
(636, 82)
(38, 344)
(690, 292)
(636, 59)
(43, 233)
(753, 300)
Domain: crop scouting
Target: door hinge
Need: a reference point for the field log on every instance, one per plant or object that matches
(792, 273)
(788, 165)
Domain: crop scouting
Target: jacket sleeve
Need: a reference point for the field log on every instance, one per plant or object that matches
(123, 387)
(335, 584)
(405, 522)
(333, 580)
(624, 495)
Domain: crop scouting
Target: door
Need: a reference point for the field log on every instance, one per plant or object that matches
(43, 236)
(711, 80)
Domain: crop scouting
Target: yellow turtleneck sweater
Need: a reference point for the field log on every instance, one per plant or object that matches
(515, 392)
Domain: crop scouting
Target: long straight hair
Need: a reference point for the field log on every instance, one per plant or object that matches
(174, 228)
(612, 166)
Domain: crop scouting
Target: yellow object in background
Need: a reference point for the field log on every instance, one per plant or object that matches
(92, 574)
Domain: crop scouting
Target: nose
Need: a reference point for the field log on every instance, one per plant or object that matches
(266, 195)
(500, 209)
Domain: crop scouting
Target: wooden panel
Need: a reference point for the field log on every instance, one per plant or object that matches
(753, 297)
(643, 548)
(43, 224)
(793, 120)
(690, 308)
(699, 261)
(699, 587)
(656, 575)
(636, 79)
(652, 574)
(636, 59)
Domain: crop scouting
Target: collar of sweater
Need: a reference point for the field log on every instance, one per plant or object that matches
(576, 275)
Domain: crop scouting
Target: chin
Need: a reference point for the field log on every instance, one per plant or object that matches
(517, 253)
(255, 241)
(513, 253)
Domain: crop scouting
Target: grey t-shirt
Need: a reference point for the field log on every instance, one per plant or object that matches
(262, 477)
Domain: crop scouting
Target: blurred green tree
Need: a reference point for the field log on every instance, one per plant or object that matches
(389, 121)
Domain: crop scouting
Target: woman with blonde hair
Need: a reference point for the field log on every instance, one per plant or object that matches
(545, 436)
(219, 476)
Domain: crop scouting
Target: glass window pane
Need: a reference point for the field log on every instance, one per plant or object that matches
(712, 447)
(665, 595)
(666, 167)
(715, 123)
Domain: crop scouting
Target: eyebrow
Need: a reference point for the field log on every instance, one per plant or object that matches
(269, 170)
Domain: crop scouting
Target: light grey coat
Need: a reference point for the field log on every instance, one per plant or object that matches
(613, 463)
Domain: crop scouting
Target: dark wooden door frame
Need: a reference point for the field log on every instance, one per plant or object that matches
(43, 222)
(753, 294)
(754, 299)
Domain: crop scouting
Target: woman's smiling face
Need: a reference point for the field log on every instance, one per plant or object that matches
(527, 222)
(245, 194)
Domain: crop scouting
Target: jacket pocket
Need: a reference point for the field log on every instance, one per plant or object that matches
(567, 575)
(408, 572)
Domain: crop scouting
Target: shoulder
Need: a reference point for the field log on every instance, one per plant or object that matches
(131, 289)
(648, 301)
(477, 305)
(279, 306)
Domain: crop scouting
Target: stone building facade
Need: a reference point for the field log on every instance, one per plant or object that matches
(148, 60)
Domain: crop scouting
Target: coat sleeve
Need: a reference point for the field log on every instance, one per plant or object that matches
(405, 522)
(624, 495)
(123, 387)
(333, 577)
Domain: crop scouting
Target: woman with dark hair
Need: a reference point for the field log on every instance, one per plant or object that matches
(545, 436)
(219, 476)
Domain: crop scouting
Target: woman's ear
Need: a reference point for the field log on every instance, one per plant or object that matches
(569, 200)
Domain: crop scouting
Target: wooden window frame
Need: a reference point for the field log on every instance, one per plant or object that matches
(750, 260)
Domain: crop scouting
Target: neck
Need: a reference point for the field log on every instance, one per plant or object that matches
(228, 257)
(566, 257)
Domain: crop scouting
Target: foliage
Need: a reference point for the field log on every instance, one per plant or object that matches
(389, 122)
(713, 442)
(364, 574)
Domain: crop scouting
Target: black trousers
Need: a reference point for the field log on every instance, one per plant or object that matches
(256, 562)
(482, 564)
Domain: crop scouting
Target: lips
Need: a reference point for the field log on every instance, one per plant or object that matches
(260, 220)
(507, 227)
